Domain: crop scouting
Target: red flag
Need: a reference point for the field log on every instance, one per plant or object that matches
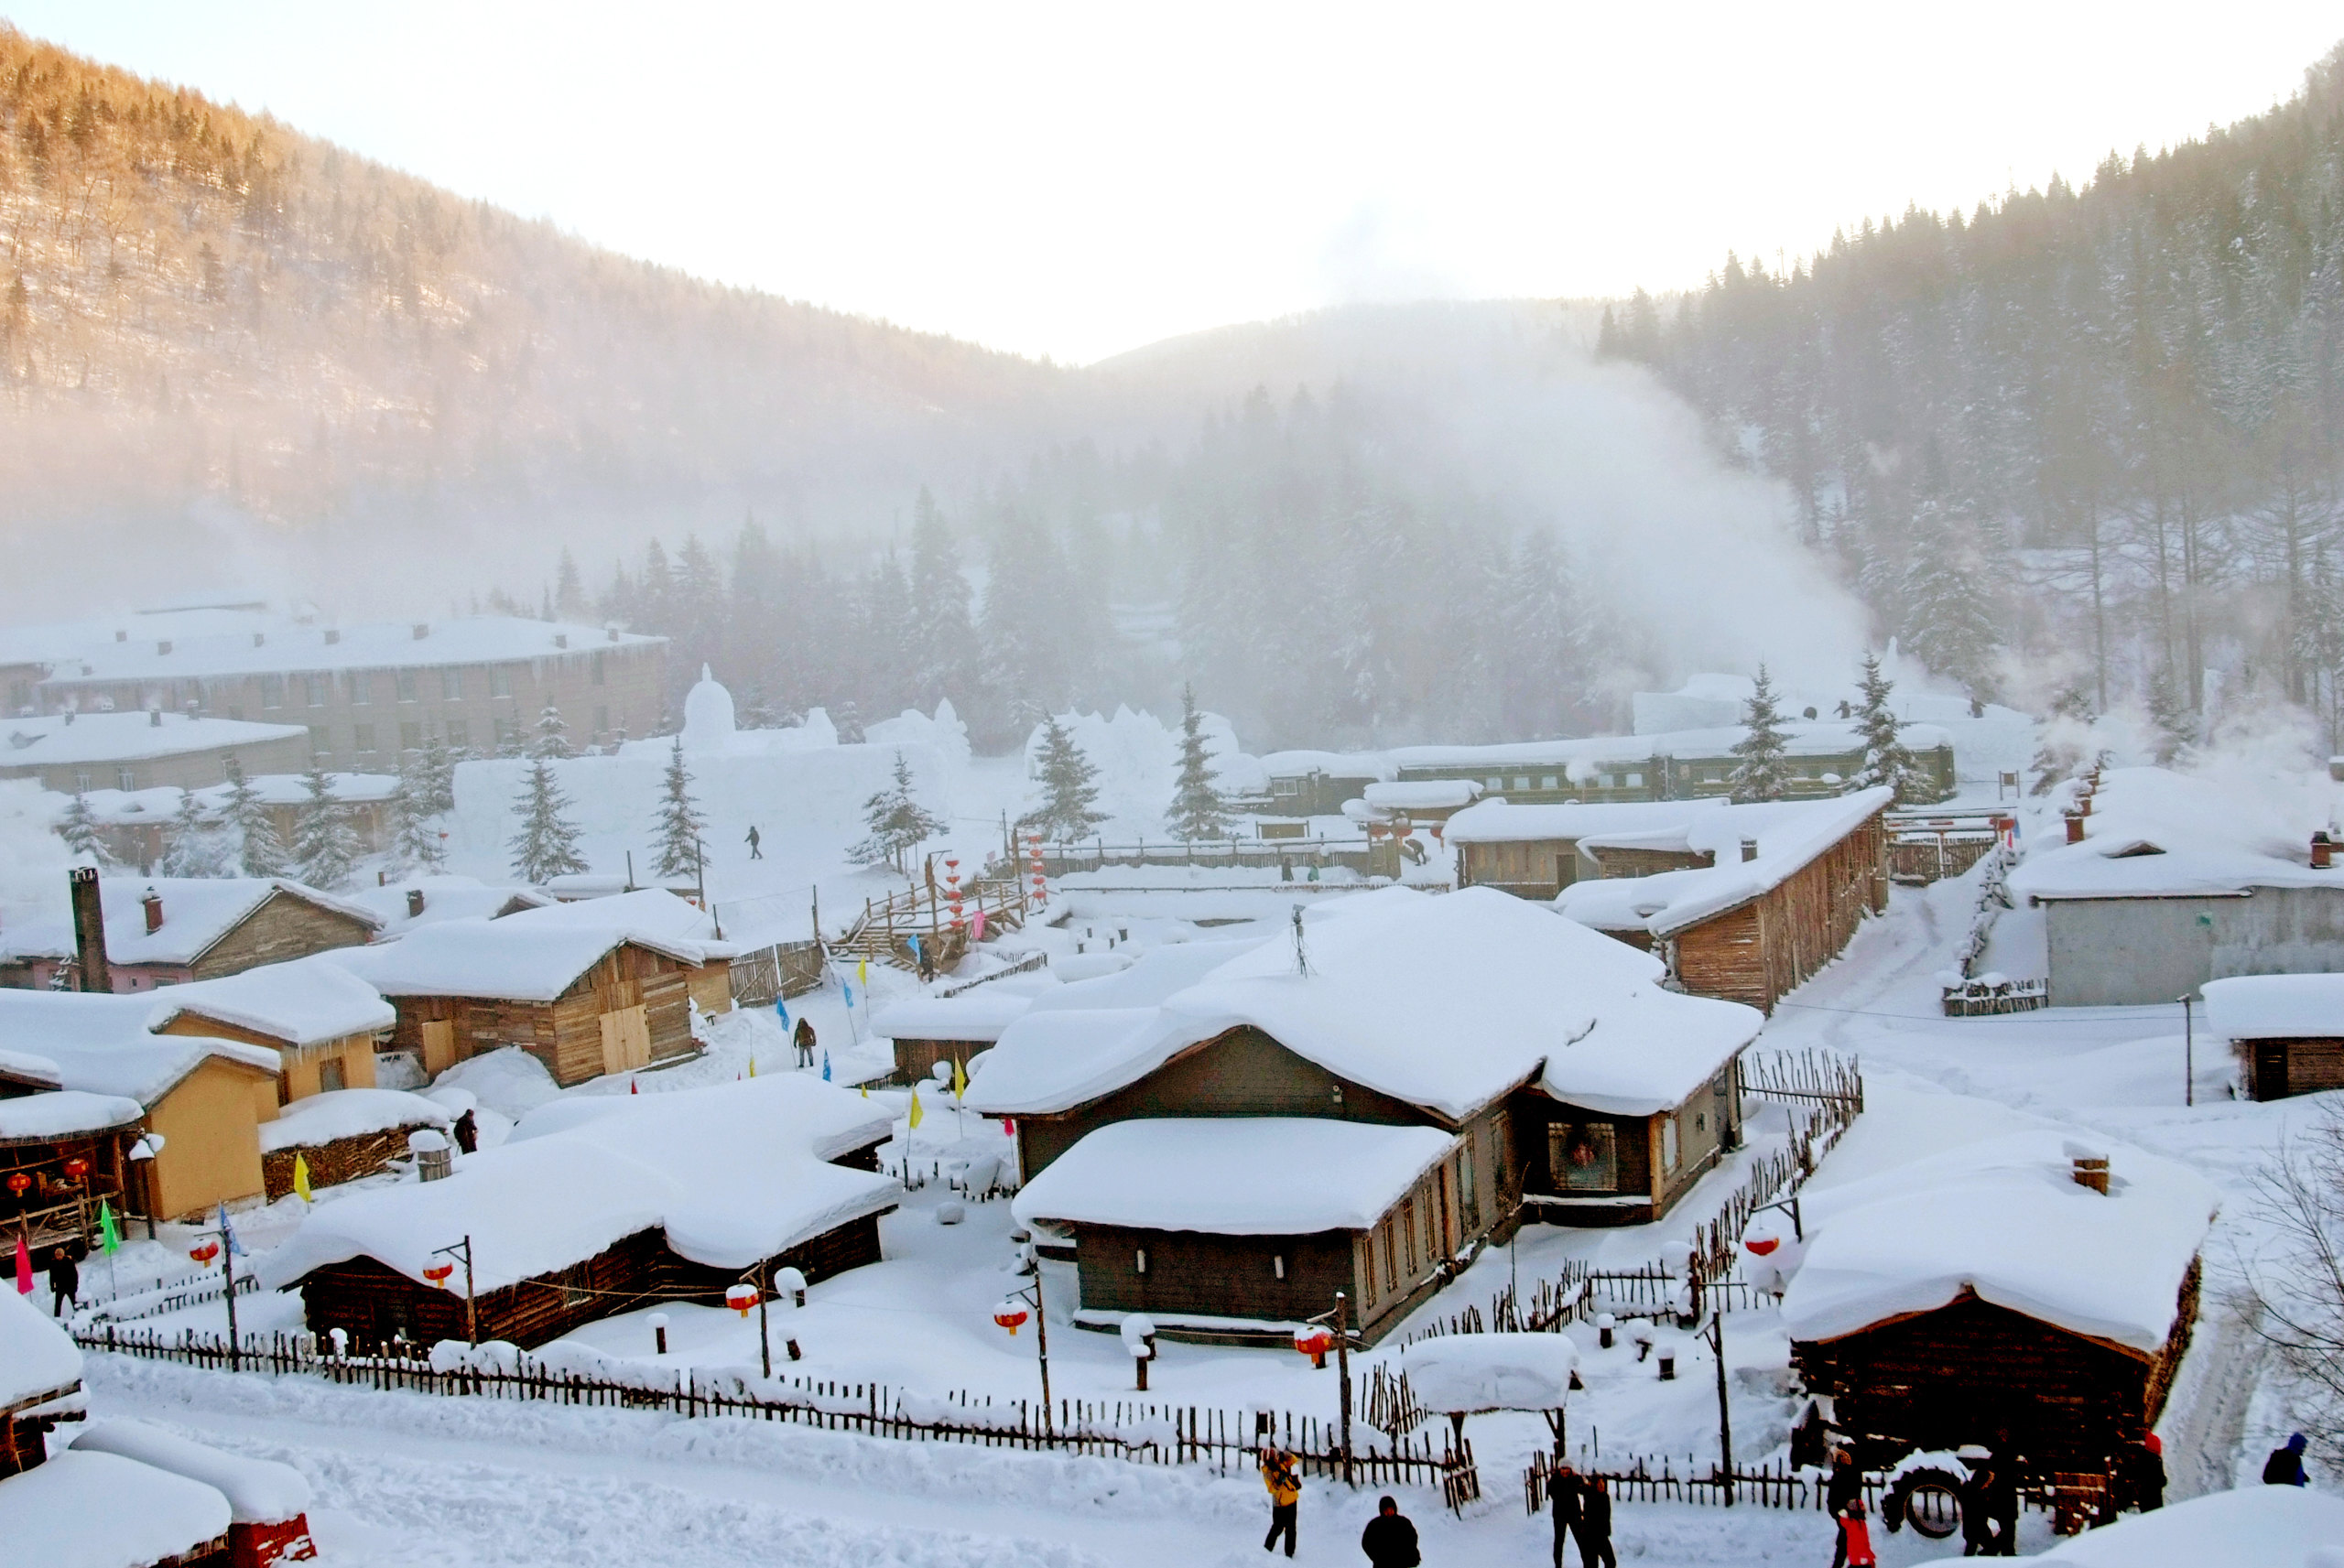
(630, 1088)
(24, 1268)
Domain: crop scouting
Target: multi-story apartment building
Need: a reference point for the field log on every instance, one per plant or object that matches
(365, 693)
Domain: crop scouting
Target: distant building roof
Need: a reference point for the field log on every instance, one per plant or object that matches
(62, 740)
(470, 640)
(1789, 835)
(304, 1003)
(2158, 834)
(496, 959)
(101, 1043)
(197, 912)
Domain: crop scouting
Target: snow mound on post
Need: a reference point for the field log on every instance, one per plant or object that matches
(1470, 1374)
(259, 1491)
(100, 1510)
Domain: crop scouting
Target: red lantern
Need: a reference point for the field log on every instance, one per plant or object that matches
(77, 1167)
(1313, 1341)
(204, 1251)
(1761, 1246)
(1011, 1316)
(437, 1273)
(741, 1298)
(19, 1183)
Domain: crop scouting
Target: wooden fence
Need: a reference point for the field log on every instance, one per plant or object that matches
(1770, 1486)
(1060, 859)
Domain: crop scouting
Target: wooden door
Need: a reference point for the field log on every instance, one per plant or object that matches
(627, 1039)
(439, 1045)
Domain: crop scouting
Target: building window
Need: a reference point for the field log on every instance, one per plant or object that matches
(601, 720)
(20, 696)
(1551, 781)
(125, 778)
(236, 712)
(1583, 1156)
(81, 782)
(500, 680)
(1669, 1152)
(410, 736)
(405, 680)
(1496, 782)
(1277, 1264)
(361, 737)
(362, 689)
(508, 733)
(1285, 787)
(272, 691)
(321, 744)
(597, 676)
(460, 734)
(1139, 1260)
(1522, 781)
(1635, 780)
(331, 1077)
(313, 691)
(574, 1289)
(1469, 1196)
(451, 686)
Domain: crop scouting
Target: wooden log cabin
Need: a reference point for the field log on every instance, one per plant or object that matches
(63, 1152)
(584, 1001)
(166, 931)
(1793, 882)
(1537, 851)
(2017, 1290)
(1537, 1013)
(929, 1030)
(599, 1207)
(2286, 1030)
(321, 1021)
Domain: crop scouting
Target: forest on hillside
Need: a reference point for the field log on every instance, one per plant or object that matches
(2094, 434)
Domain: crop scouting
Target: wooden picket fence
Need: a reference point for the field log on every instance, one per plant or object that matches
(1768, 1486)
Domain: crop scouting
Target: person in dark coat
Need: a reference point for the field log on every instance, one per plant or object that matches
(1564, 1491)
(754, 853)
(1977, 1507)
(2144, 1474)
(65, 1284)
(1389, 1540)
(2002, 1493)
(467, 1133)
(1845, 1485)
(804, 1036)
(1594, 1527)
(2285, 1465)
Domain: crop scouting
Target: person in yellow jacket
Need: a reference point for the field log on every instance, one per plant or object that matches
(1284, 1482)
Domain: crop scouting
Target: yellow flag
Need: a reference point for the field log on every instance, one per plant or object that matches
(301, 1177)
(753, 1066)
(959, 1079)
(863, 975)
(917, 1113)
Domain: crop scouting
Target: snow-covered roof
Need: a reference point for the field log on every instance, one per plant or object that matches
(197, 912)
(302, 1002)
(1801, 738)
(1234, 1175)
(65, 1113)
(101, 1043)
(38, 1358)
(496, 959)
(1471, 1373)
(1334, 764)
(259, 1491)
(444, 898)
(731, 1173)
(2158, 834)
(1501, 822)
(348, 1113)
(1517, 989)
(654, 913)
(1154, 975)
(1790, 834)
(2268, 1526)
(100, 1510)
(133, 806)
(1929, 1195)
(2276, 1007)
(57, 739)
(1422, 795)
(380, 645)
(980, 1014)
(22, 1068)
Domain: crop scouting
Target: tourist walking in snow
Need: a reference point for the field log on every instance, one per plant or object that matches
(1594, 1527)
(1562, 1494)
(754, 853)
(804, 1040)
(1844, 1486)
(2142, 1468)
(1855, 1537)
(1978, 1504)
(1389, 1540)
(467, 1133)
(1284, 1484)
(65, 1284)
(2285, 1465)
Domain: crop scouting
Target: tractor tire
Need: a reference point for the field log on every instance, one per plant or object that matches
(1930, 1500)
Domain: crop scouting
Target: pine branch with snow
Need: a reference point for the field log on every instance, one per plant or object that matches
(545, 847)
(1069, 787)
(1763, 772)
(1198, 810)
(436, 776)
(195, 849)
(898, 823)
(415, 843)
(326, 848)
(553, 735)
(1887, 760)
(259, 851)
(79, 828)
(680, 823)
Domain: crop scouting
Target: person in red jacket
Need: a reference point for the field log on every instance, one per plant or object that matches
(1855, 1536)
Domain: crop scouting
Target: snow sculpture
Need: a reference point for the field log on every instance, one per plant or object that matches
(708, 715)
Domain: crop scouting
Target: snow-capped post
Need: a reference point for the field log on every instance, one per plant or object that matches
(1343, 1370)
(2189, 1054)
(1138, 1331)
(1725, 1415)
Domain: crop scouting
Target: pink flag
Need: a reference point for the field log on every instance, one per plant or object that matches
(24, 1268)
(978, 925)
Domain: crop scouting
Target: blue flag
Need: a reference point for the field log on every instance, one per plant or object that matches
(847, 991)
(826, 1066)
(915, 945)
(781, 1006)
(228, 1233)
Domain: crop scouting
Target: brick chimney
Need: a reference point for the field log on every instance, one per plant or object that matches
(1749, 849)
(2089, 1167)
(2322, 850)
(89, 929)
(413, 903)
(154, 718)
(153, 904)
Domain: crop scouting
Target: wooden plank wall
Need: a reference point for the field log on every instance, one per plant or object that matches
(1758, 951)
(282, 928)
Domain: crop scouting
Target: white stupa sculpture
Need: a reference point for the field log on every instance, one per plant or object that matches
(707, 716)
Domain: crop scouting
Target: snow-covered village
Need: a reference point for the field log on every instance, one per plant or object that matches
(1683, 917)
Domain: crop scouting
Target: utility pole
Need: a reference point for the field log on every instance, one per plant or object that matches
(764, 1338)
(464, 1251)
(228, 1277)
(1042, 1341)
(1725, 1416)
(1343, 1370)
(2188, 1055)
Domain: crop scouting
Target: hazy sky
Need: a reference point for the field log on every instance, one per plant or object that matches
(1077, 180)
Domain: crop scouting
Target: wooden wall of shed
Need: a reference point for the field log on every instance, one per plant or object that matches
(915, 1057)
(332, 1162)
(1974, 1372)
(1241, 1073)
(211, 1129)
(1617, 861)
(283, 927)
(1527, 868)
(710, 985)
(2276, 1069)
(1758, 951)
(1220, 1276)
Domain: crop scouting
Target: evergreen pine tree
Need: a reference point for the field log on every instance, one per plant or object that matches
(1069, 786)
(942, 635)
(681, 824)
(553, 735)
(2063, 740)
(1198, 811)
(1948, 612)
(1887, 760)
(79, 828)
(847, 719)
(194, 850)
(415, 843)
(547, 845)
(569, 589)
(2170, 714)
(326, 848)
(435, 776)
(259, 851)
(898, 823)
(1764, 770)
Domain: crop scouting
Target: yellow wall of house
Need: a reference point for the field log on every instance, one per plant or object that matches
(211, 1127)
(305, 1071)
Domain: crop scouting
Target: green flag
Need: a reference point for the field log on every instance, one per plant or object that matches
(109, 1238)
